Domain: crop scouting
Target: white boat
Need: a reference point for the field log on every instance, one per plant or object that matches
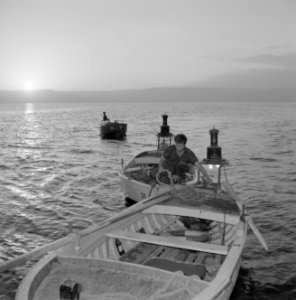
(186, 243)
(139, 179)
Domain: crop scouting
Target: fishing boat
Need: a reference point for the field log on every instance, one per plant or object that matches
(112, 130)
(182, 243)
(140, 178)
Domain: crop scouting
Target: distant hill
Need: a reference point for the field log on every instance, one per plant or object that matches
(165, 94)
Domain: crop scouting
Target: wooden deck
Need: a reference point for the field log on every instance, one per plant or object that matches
(174, 259)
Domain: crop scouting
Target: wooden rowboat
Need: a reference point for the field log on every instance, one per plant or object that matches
(137, 181)
(183, 244)
(138, 177)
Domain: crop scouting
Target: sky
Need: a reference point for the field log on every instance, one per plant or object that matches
(136, 44)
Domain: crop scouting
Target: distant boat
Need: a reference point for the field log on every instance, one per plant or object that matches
(112, 130)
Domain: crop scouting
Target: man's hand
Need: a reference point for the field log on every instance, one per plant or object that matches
(161, 169)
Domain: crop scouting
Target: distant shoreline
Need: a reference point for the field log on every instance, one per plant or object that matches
(178, 94)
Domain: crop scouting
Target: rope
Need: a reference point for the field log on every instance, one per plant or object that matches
(151, 189)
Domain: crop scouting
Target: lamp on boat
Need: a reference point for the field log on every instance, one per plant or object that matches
(214, 152)
(214, 158)
(164, 137)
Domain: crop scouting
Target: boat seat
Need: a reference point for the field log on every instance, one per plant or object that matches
(170, 265)
(202, 213)
(168, 241)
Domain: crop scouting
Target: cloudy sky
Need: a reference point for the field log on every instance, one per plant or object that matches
(134, 44)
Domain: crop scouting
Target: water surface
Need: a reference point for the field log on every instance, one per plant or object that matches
(56, 171)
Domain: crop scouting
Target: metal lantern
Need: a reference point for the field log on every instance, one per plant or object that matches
(164, 137)
(214, 152)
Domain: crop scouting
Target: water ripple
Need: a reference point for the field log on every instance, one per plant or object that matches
(57, 173)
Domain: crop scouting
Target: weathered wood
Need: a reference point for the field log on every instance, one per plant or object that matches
(153, 200)
(195, 213)
(168, 241)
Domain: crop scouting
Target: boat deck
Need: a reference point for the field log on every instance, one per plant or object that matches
(159, 253)
(121, 281)
(174, 259)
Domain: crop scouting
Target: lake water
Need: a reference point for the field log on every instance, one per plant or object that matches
(56, 170)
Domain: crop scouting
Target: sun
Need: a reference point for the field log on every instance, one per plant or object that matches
(29, 86)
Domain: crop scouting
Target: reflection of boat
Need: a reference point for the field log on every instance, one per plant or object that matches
(112, 130)
(185, 243)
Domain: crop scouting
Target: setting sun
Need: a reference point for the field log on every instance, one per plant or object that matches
(29, 86)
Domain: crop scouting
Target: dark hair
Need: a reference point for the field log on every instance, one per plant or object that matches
(180, 138)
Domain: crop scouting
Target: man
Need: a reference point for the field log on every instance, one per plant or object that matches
(178, 159)
(105, 118)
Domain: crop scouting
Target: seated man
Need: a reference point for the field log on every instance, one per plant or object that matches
(178, 159)
(105, 118)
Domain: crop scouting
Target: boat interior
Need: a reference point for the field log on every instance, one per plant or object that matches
(144, 168)
(175, 249)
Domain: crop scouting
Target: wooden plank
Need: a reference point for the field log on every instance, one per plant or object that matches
(146, 160)
(194, 212)
(168, 241)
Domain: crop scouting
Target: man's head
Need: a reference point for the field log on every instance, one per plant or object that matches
(180, 139)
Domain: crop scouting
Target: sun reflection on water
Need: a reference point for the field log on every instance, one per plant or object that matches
(29, 108)
(29, 133)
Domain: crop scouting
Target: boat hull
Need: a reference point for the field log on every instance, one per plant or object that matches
(113, 130)
(135, 191)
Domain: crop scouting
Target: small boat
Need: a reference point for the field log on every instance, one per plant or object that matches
(185, 243)
(112, 130)
(140, 178)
